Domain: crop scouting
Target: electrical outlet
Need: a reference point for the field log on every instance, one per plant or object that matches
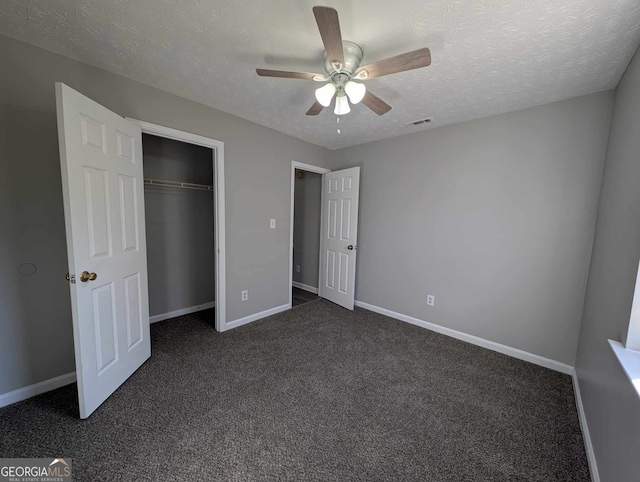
(244, 295)
(272, 224)
(431, 300)
(297, 268)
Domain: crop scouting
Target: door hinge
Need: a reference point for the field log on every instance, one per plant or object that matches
(71, 278)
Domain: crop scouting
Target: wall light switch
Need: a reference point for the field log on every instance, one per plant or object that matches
(272, 224)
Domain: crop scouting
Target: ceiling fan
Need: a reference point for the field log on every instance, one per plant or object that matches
(342, 68)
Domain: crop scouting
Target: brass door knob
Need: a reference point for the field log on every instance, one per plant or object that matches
(86, 276)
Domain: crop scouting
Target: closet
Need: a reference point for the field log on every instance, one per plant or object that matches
(179, 217)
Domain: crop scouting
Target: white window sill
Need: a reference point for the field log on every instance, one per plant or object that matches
(630, 361)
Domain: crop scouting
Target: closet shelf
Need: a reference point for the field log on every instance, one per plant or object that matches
(177, 184)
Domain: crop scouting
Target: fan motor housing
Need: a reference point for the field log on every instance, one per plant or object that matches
(352, 58)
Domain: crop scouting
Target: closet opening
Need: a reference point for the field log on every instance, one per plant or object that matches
(180, 221)
(306, 202)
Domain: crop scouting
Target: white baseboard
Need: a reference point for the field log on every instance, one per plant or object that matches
(183, 311)
(305, 287)
(36, 389)
(591, 456)
(256, 316)
(474, 340)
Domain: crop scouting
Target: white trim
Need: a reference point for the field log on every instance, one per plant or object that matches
(36, 389)
(630, 361)
(633, 332)
(180, 312)
(309, 167)
(305, 287)
(256, 316)
(474, 340)
(304, 167)
(591, 456)
(175, 134)
(219, 206)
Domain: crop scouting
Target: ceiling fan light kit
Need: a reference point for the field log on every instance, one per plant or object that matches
(339, 85)
(342, 66)
(355, 91)
(325, 94)
(342, 105)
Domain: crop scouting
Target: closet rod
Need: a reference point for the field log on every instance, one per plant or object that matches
(177, 184)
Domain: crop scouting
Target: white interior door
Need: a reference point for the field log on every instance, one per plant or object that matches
(340, 193)
(102, 184)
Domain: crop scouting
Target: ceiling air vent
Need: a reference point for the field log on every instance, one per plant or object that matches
(419, 122)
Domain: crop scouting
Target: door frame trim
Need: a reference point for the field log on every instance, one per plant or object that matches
(219, 206)
(310, 168)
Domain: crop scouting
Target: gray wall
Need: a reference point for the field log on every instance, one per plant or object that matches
(36, 340)
(495, 217)
(306, 228)
(611, 404)
(35, 310)
(179, 224)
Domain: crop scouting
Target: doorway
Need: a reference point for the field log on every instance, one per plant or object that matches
(306, 208)
(177, 180)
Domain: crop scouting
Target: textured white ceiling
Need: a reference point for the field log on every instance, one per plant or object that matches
(489, 56)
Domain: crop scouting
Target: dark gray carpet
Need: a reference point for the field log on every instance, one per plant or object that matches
(315, 393)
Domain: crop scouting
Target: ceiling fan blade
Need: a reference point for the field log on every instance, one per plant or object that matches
(400, 63)
(329, 26)
(315, 109)
(375, 103)
(287, 75)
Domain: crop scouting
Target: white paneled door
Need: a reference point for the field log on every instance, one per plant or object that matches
(102, 183)
(340, 193)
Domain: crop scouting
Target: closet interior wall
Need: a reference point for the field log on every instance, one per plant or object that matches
(180, 226)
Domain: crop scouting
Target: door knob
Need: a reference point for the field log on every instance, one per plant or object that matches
(351, 247)
(86, 276)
